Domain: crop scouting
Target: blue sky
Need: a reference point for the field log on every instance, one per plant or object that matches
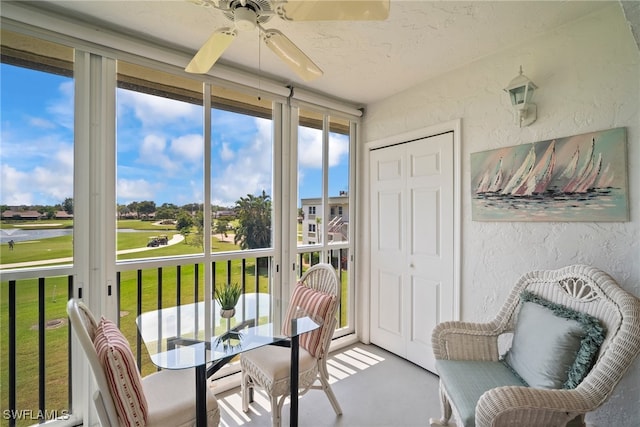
(159, 148)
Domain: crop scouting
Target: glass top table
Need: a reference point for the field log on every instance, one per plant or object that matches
(180, 338)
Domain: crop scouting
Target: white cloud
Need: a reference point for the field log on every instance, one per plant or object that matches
(155, 111)
(338, 148)
(226, 153)
(188, 147)
(12, 189)
(309, 147)
(249, 171)
(41, 123)
(134, 190)
(152, 153)
(49, 183)
(54, 183)
(61, 109)
(64, 158)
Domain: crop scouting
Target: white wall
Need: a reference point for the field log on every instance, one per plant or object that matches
(588, 74)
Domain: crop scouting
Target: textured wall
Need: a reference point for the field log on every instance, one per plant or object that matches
(588, 75)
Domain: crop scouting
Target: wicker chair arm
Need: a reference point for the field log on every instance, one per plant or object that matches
(458, 340)
(526, 406)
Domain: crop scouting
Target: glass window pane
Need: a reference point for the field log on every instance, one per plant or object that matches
(310, 214)
(338, 221)
(36, 155)
(159, 164)
(36, 199)
(241, 175)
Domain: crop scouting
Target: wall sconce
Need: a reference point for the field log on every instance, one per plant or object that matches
(521, 90)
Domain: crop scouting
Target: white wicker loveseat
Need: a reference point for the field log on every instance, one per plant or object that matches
(478, 390)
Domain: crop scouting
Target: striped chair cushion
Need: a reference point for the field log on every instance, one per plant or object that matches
(125, 384)
(314, 303)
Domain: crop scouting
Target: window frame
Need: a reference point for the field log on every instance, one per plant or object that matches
(94, 256)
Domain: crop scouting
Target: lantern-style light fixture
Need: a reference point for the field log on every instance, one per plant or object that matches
(521, 89)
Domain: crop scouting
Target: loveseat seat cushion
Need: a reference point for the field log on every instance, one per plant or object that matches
(466, 380)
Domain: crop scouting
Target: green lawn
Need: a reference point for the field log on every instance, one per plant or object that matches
(136, 224)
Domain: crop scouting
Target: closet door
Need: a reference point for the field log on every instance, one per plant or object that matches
(412, 239)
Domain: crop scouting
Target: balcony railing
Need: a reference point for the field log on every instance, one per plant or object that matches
(36, 340)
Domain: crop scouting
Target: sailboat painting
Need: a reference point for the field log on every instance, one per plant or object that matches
(576, 178)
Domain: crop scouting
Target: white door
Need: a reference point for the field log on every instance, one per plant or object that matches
(412, 244)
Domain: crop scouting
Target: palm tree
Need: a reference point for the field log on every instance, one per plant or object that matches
(254, 216)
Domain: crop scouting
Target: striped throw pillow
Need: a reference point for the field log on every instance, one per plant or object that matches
(316, 304)
(125, 384)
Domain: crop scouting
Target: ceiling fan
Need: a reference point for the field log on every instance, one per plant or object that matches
(248, 14)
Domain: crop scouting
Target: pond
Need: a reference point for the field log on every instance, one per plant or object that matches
(21, 235)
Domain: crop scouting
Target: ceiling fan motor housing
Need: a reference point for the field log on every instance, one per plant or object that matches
(245, 19)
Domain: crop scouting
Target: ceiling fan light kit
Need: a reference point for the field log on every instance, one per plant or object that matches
(249, 14)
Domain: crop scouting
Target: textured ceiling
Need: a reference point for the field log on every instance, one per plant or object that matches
(363, 62)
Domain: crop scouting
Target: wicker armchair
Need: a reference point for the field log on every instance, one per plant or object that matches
(581, 288)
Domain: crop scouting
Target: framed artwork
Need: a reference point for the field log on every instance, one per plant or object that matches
(577, 178)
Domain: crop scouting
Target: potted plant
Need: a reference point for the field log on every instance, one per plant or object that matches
(228, 296)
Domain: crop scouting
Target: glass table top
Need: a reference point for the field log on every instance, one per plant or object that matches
(175, 337)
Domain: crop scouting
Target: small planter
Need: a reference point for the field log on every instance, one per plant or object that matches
(227, 313)
(228, 296)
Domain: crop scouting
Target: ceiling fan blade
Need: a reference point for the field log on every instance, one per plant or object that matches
(211, 50)
(334, 10)
(291, 54)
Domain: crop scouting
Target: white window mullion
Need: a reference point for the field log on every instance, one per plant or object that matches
(291, 143)
(324, 225)
(206, 214)
(280, 214)
(354, 134)
(103, 196)
(94, 235)
(81, 385)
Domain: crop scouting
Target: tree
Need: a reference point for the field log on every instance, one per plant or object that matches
(48, 211)
(122, 210)
(133, 207)
(254, 216)
(198, 221)
(146, 208)
(220, 227)
(192, 207)
(184, 222)
(67, 206)
(167, 211)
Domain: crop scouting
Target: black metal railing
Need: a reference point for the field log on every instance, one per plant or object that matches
(36, 325)
(36, 321)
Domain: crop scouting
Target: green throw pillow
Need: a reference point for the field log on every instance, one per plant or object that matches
(553, 346)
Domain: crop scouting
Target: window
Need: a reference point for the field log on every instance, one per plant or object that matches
(36, 192)
(338, 176)
(159, 163)
(36, 195)
(324, 165)
(241, 179)
(168, 166)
